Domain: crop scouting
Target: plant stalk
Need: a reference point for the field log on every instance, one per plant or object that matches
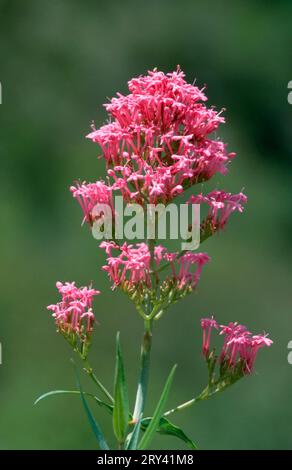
(97, 382)
(144, 372)
(204, 395)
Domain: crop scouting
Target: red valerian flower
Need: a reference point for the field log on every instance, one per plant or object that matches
(73, 315)
(159, 140)
(89, 195)
(221, 206)
(207, 325)
(240, 346)
(132, 264)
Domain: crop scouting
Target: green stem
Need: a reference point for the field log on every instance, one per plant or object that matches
(144, 372)
(145, 350)
(120, 445)
(141, 311)
(203, 396)
(145, 353)
(93, 377)
(207, 393)
(181, 407)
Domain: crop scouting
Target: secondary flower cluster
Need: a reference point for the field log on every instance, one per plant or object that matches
(133, 265)
(221, 206)
(240, 346)
(159, 140)
(89, 195)
(73, 315)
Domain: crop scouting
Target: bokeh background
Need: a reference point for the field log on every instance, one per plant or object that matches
(60, 59)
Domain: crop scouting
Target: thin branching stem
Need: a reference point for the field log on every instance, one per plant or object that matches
(88, 369)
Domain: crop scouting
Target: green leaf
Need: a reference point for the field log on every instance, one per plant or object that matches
(101, 403)
(121, 401)
(167, 428)
(60, 392)
(151, 429)
(132, 439)
(94, 426)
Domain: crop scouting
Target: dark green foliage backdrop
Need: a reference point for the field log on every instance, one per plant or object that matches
(60, 59)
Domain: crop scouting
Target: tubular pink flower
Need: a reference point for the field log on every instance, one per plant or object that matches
(185, 275)
(240, 344)
(109, 246)
(159, 254)
(207, 325)
(91, 194)
(232, 330)
(132, 264)
(221, 206)
(74, 313)
(239, 347)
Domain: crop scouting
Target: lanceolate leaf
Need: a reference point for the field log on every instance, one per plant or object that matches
(57, 392)
(121, 402)
(165, 426)
(95, 427)
(101, 403)
(170, 429)
(152, 427)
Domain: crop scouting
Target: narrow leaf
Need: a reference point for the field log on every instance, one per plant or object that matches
(101, 403)
(167, 428)
(121, 401)
(59, 392)
(151, 429)
(95, 427)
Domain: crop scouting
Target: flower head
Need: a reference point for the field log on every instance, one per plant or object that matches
(89, 196)
(73, 314)
(132, 264)
(239, 349)
(159, 140)
(241, 345)
(221, 206)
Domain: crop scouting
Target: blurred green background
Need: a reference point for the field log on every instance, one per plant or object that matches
(60, 59)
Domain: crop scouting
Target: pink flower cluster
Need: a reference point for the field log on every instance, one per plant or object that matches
(89, 195)
(74, 313)
(239, 344)
(159, 139)
(221, 206)
(133, 264)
